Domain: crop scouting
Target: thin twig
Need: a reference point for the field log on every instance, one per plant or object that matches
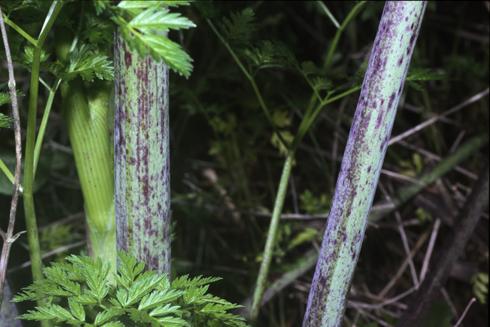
(453, 247)
(56, 251)
(391, 301)
(9, 237)
(421, 126)
(404, 238)
(430, 250)
(403, 266)
(437, 158)
(465, 312)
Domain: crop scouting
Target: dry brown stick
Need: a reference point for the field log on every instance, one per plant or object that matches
(9, 237)
(430, 249)
(403, 266)
(404, 239)
(452, 248)
(475, 98)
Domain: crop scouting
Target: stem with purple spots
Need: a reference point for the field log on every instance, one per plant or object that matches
(362, 161)
(141, 139)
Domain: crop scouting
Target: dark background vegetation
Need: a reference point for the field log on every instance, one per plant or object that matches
(218, 130)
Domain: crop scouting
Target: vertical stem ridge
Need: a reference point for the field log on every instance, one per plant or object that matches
(362, 161)
(88, 116)
(141, 138)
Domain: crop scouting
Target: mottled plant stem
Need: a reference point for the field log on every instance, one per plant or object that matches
(305, 263)
(452, 249)
(362, 161)
(141, 138)
(89, 120)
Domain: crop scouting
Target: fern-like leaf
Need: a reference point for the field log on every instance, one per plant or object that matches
(239, 27)
(89, 65)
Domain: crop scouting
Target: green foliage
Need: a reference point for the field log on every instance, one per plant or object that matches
(83, 291)
(412, 167)
(5, 121)
(480, 287)
(4, 98)
(144, 25)
(307, 235)
(239, 27)
(269, 54)
(58, 235)
(423, 215)
(314, 204)
(88, 65)
(417, 75)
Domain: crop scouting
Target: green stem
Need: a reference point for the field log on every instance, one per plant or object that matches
(250, 78)
(333, 46)
(44, 123)
(309, 260)
(88, 117)
(305, 124)
(271, 237)
(19, 30)
(28, 183)
(6, 171)
(30, 213)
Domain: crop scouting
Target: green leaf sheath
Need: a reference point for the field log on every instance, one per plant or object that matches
(141, 137)
(362, 161)
(89, 120)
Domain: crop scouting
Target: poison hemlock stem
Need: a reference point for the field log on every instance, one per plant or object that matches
(362, 161)
(141, 143)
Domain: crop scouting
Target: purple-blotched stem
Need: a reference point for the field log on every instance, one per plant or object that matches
(362, 161)
(142, 176)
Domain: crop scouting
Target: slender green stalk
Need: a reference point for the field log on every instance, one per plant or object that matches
(327, 12)
(251, 79)
(21, 32)
(309, 118)
(44, 123)
(271, 237)
(89, 119)
(6, 171)
(29, 208)
(141, 140)
(28, 182)
(333, 45)
(362, 161)
(446, 165)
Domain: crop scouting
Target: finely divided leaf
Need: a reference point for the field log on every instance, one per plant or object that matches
(160, 47)
(5, 121)
(89, 65)
(161, 20)
(239, 28)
